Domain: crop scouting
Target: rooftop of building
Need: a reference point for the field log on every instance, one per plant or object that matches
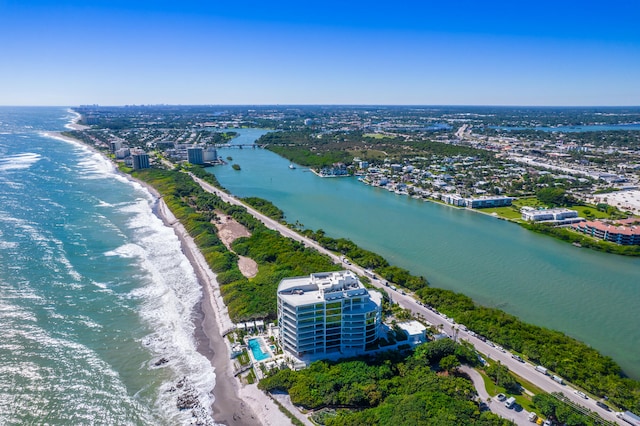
(610, 228)
(528, 209)
(320, 287)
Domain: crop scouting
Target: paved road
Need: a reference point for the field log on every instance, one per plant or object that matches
(523, 369)
(518, 415)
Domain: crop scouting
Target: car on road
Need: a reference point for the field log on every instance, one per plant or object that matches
(510, 402)
(603, 405)
(582, 394)
(501, 397)
(517, 358)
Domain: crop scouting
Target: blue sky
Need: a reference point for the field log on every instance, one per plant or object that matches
(117, 52)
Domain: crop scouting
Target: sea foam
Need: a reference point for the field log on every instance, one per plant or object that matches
(168, 302)
(19, 161)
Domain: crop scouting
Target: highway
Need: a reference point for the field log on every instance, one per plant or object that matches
(489, 350)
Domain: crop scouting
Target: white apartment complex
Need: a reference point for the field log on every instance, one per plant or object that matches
(328, 312)
(558, 216)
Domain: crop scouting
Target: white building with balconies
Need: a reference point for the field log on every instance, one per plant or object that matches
(327, 313)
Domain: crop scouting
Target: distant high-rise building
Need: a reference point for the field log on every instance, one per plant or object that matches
(115, 145)
(195, 155)
(122, 153)
(140, 160)
(210, 154)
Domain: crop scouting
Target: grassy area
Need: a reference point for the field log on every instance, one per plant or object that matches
(528, 202)
(492, 388)
(524, 400)
(586, 211)
(376, 136)
(251, 377)
(243, 358)
(369, 154)
(504, 212)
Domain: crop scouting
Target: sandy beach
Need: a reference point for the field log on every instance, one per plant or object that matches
(234, 404)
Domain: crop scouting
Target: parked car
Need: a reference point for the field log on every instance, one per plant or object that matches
(501, 397)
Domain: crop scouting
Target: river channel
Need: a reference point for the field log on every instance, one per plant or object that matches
(588, 295)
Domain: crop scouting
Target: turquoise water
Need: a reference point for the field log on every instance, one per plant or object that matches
(588, 295)
(96, 298)
(256, 350)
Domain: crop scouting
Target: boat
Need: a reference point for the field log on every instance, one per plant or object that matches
(291, 166)
(576, 244)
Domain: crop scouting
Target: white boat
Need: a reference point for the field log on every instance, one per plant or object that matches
(291, 166)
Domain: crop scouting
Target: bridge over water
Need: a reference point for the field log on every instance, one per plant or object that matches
(239, 145)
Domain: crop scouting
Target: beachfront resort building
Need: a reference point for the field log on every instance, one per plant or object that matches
(327, 313)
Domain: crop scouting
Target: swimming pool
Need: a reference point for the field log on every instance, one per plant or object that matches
(256, 350)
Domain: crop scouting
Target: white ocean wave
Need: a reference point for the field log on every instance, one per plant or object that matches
(29, 393)
(8, 245)
(168, 302)
(127, 251)
(19, 161)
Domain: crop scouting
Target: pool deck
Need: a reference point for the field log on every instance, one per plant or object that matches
(265, 346)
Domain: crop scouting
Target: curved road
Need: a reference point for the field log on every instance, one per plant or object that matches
(522, 369)
(517, 415)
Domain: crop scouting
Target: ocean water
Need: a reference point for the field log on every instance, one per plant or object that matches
(96, 298)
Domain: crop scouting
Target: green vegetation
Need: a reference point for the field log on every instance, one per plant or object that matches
(265, 207)
(243, 358)
(554, 407)
(564, 355)
(367, 259)
(501, 377)
(509, 213)
(279, 257)
(571, 236)
(390, 388)
(318, 151)
(554, 197)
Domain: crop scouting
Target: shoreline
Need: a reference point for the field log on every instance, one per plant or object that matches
(234, 404)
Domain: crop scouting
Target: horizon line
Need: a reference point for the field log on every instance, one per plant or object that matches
(320, 105)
